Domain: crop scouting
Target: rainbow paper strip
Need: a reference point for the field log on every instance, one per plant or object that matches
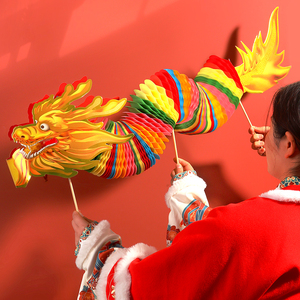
(168, 101)
(220, 92)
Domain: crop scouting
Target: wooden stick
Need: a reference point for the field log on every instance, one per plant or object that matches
(73, 194)
(175, 146)
(242, 106)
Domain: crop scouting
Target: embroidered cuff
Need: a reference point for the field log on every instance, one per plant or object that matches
(87, 290)
(97, 238)
(183, 174)
(195, 211)
(85, 234)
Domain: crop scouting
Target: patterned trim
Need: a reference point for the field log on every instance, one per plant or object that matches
(85, 234)
(88, 289)
(172, 231)
(103, 254)
(183, 174)
(87, 293)
(292, 180)
(195, 211)
(90, 247)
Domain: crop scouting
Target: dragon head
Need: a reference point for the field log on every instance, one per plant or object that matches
(62, 137)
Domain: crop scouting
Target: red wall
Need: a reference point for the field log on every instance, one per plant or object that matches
(118, 44)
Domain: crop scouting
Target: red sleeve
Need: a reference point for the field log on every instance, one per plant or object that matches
(200, 262)
(229, 255)
(241, 251)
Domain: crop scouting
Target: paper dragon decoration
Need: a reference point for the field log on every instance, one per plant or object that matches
(62, 138)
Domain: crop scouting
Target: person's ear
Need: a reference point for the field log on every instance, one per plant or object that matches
(290, 145)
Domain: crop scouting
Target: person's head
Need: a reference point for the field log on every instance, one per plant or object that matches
(286, 112)
(283, 140)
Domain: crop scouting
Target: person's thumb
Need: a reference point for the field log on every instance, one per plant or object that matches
(179, 168)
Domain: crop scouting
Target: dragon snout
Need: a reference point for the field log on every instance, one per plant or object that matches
(32, 144)
(21, 134)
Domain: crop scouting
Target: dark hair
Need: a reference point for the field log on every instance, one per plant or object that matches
(286, 112)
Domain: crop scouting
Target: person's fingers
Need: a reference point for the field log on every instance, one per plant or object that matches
(261, 151)
(88, 220)
(265, 129)
(257, 145)
(76, 215)
(256, 137)
(185, 165)
(251, 130)
(74, 225)
(77, 231)
(178, 169)
(261, 129)
(80, 222)
(75, 220)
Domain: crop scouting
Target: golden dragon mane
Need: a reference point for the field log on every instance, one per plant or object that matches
(63, 137)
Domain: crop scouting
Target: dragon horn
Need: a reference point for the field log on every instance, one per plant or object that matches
(70, 94)
(261, 68)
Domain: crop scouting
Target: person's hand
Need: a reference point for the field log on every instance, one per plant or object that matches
(181, 166)
(79, 222)
(257, 139)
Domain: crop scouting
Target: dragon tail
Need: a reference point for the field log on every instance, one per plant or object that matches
(261, 68)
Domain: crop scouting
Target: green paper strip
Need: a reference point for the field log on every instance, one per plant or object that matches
(147, 107)
(233, 99)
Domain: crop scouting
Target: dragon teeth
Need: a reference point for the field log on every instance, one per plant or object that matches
(32, 155)
(25, 155)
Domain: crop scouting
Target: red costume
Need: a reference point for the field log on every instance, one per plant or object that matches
(243, 251)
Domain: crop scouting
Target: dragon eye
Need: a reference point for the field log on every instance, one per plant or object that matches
(44, 127)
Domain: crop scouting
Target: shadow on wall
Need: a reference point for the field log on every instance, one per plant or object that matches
(231, 51)
(218, 191)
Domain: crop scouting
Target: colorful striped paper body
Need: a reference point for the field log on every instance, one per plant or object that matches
(170, 101)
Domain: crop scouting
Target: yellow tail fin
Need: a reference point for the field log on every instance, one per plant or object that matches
(261, 68)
